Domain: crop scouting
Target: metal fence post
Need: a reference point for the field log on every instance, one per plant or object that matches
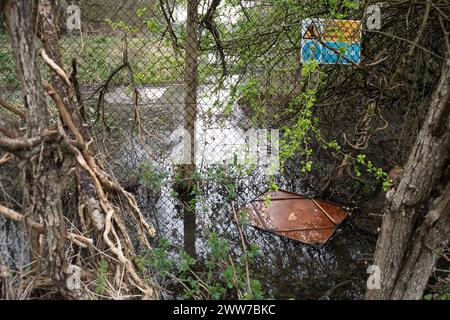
(190, 115)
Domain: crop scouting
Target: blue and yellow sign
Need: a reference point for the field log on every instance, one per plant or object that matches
(330, 41)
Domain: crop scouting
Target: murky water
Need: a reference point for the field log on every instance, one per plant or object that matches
(286, 269)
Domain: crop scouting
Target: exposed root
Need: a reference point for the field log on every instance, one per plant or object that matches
(104, 234)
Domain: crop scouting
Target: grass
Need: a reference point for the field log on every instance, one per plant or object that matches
(152, 60)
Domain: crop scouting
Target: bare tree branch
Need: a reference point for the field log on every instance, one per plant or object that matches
(11, 108)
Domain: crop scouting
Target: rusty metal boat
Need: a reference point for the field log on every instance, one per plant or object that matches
(290, 215)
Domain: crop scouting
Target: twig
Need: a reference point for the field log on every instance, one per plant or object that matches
(103, 89)
(80, 240)
(5, 158)
(23, 143)
(65, 115)
(407, 41)
(12, 109)
(244, 249)
(76, 86)
(208, 23)
(446, 35)
(422, 28)
(9, 128)
(173, 36)
(235, 280)
(60, 72)
(338, 53)
(330, 291)
(17, 217)
(441, 13)
(376, 62)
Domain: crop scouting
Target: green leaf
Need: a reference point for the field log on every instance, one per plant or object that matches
(428, 297)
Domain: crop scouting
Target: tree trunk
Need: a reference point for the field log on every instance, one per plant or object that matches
(47, 168)
(86, 190)
(416, 221)
(42, 176)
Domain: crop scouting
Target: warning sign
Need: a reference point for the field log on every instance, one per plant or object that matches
(330, 41)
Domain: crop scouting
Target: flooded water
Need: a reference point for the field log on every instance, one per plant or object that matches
(286, 269)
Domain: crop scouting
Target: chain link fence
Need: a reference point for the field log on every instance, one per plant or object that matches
(149, 81)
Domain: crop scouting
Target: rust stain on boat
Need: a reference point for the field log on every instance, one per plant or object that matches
(291, 215)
